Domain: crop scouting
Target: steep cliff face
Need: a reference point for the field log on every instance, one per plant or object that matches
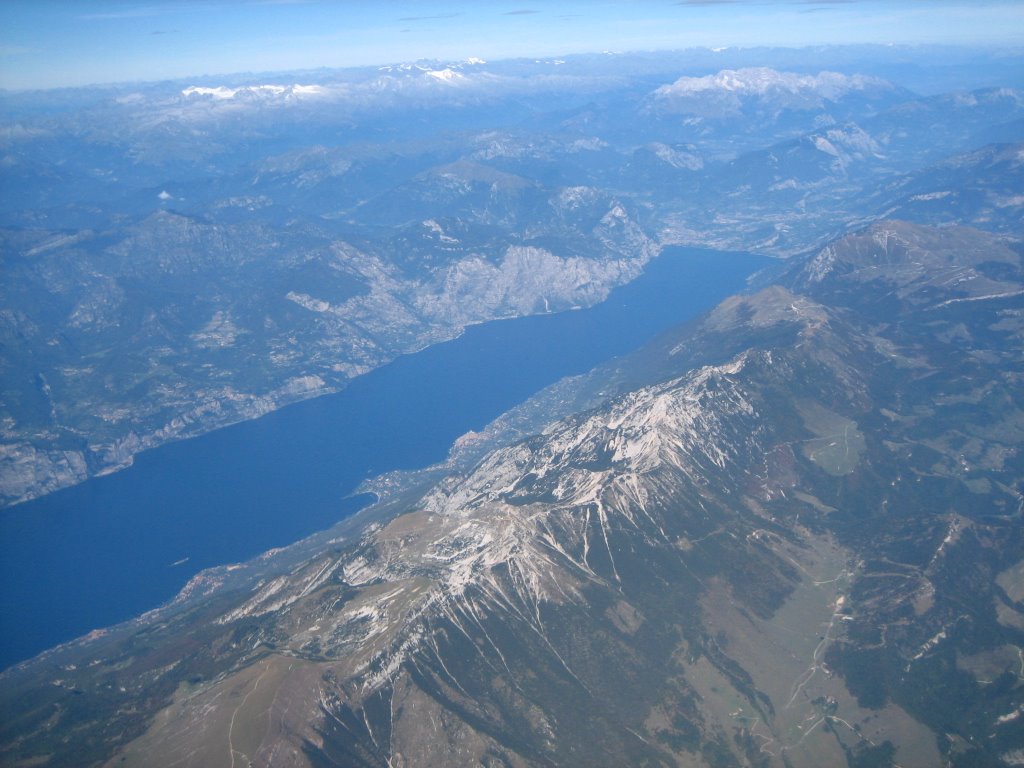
(796, 544)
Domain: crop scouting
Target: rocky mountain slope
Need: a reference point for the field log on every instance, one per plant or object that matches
(786, 535)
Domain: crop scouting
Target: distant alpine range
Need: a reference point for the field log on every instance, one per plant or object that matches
(786, 533)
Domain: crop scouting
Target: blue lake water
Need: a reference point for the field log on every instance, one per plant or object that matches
(115, 546)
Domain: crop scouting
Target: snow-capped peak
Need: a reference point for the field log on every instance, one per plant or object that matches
(447, 74)
(761, 81)
(222, 92)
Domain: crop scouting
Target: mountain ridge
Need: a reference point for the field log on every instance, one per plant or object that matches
(716, 566)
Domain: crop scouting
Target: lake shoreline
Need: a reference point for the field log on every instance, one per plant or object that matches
(98, 553)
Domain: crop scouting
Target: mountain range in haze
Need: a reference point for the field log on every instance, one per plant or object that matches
(787, 533)
(182, 257)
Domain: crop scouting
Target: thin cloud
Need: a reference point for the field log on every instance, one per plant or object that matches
(130, 13)
(520, 12)
(16, 50)
(429, 18)
(822, 5)
(706, 2)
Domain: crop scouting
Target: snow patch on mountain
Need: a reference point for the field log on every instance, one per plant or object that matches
(677, 158)
(931, 196)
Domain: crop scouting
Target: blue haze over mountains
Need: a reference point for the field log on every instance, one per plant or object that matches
(181, 257)
(835, 455)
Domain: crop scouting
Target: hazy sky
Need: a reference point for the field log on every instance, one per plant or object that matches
(49, 43)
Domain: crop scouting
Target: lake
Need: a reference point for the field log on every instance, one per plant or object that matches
(106, 550)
